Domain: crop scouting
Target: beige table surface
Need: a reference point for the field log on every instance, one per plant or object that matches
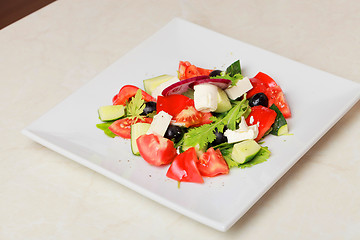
(50, 54)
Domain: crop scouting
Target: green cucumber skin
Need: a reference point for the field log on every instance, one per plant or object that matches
(245, 151)
(111, 112)
(224, 104)
(283, 130)
(137, 130)
(278, 127)
(151, 83)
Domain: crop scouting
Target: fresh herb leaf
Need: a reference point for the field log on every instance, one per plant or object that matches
(224, 146)
(202, 135)
(136, 106)
(262, 156)
(232, 73)
(226, 152)
(206, 133)
(230, 162)
(233, 117)
(234, 69)
(234, 79)
(151, 115)
(179, 143)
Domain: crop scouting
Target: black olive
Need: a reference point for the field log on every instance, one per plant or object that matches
(220, 137)
(215, 73)
(149, 108)
(174, 133)
(259, 99)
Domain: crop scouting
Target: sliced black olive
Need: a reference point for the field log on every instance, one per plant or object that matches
(215, 73)
(220, 137)
(259, 99)
(149, 108)
(174, 133)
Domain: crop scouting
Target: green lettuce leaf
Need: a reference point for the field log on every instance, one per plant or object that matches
(205, 134)
(105, 128)
(262, 156)
(234, 79)
(234, 68)
(233, 117)
(226, 150)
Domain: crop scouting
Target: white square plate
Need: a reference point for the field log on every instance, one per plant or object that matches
(317, 102)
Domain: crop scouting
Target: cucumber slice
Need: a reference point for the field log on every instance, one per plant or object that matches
(280, 126)
(283, 130)
(152, 83)
(189, 93)
(223, 102)
(137, 130)
(111, 112)
(245, 151)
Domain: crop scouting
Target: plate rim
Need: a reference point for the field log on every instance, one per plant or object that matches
(221, 226)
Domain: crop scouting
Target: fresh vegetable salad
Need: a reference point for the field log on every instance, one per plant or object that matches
(201, 123)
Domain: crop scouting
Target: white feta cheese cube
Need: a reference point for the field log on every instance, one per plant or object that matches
(205, 97)
(244, 132)
(160, 123)
(241, 87)
(237, 136)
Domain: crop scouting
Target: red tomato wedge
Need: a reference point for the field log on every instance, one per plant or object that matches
(266, 79)
(205, 119)
(184, 169)
(173, 104)
(182, 109)
(265, 84)
(276, 96)
(187, 70)
(156, 150)
(212, 163)
(122, 127)
(127, 92)
(263, 117)
(190, 117)
(258, 87)
(182, 69)
(260, 83)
